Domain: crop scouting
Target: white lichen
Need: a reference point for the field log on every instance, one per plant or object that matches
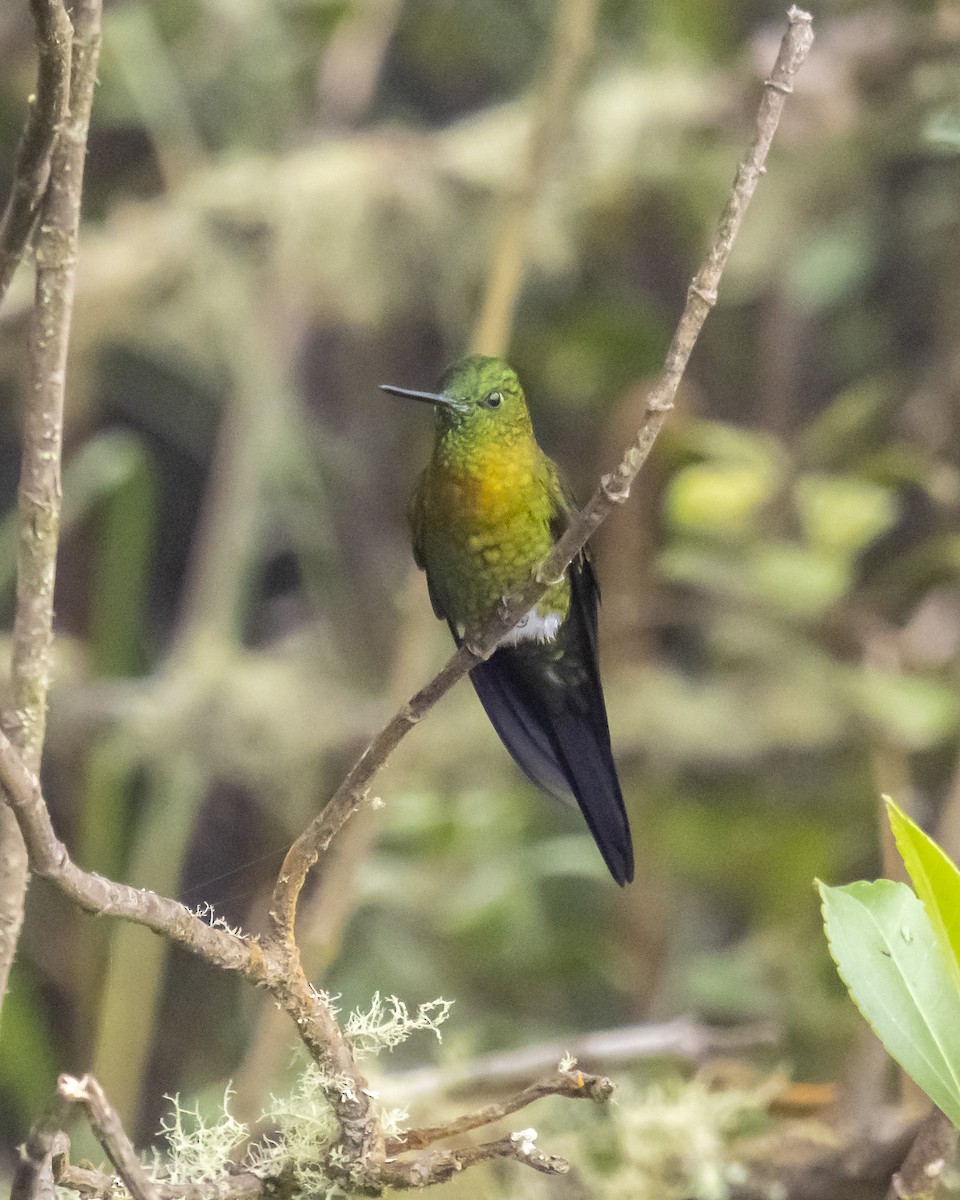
(303, 1126)
(208, 914)
(198, 1148)
(672, 1141)
(388, 1023)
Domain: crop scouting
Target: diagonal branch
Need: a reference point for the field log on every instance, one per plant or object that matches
(613, 491)
(567, 1082)
(276, 966)
(106, 1124)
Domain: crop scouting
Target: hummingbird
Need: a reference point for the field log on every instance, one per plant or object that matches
(485, 512)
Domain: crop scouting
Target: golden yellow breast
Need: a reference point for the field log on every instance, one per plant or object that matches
(488, 492)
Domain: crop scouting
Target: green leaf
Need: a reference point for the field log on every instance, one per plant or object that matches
(937, 882)
(841, 514)
(888, 956)
(798, 581)
(719, 497)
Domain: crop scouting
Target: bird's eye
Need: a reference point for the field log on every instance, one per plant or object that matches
(494, 399)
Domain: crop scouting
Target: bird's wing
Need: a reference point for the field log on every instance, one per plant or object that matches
(415, 515)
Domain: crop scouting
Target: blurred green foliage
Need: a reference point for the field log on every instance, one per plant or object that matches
(236, 607)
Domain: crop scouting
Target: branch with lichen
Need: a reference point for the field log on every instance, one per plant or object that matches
(203, 1151)
(362, 1156)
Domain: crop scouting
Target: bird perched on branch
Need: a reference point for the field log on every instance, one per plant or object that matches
(486, 511)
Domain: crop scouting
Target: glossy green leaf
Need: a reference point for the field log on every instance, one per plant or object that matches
(937, 882)
(889, 957)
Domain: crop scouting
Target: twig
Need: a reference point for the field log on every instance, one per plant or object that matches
(570, 49)
(47, 109)
(613, 491)
(88, 1181)
(572, 40)
(571, 1083)
(93, 1183)
(109, 1132)
(276, 966)
(36, 1174)
(441, 1165)
(402, 1174)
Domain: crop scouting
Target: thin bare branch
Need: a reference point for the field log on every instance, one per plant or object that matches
(100, 1185)
(440, 1165)
(40, 494)
(109, 1132)
(48, 107)
(570, 1083)
(613, 491)
(276, 966)
(40, 1158)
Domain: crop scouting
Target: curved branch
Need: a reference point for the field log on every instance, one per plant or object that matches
(613, 491)
(569, 1083)
(105, 1123)
(97, 894)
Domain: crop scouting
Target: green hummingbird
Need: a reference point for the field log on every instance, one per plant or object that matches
(486, 510)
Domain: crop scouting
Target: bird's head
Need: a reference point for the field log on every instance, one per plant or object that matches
(478, 397)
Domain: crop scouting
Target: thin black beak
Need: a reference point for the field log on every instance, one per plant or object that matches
(426, 397)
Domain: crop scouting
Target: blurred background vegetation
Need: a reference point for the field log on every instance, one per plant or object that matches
(289, 203)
